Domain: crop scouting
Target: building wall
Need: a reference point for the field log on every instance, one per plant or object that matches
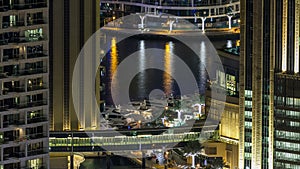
(229, 152)
(74, 21)
(269, 83)
(24, 84)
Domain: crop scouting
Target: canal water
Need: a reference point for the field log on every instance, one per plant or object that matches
(148, 80)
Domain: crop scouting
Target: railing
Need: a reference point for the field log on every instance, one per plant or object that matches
(9, 155)
(7, 58)
(12, 24)
(18, 89)
(23, 105)
(4, 108)
(28, 71)
(31, 104)
(22, 39)
(15, 122)
(36, 54)
(126, 140)
(22, 6)
(37, 119)
(179, 2)
(35, 21)
(37, 135)
(37, 152)
(36, 87)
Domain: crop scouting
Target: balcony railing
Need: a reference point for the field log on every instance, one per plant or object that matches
(22, 6)
(36, 54)
(12, 24)
(4, 108)
(28, 71)
(31, 104)
(15, 122)
(36, 87)
(8, 139)
(35, 21)
(37, 119)
(8, 58)
(22, 39)
(8, 155)
(19, 89)
(36, 135)
(37, 152)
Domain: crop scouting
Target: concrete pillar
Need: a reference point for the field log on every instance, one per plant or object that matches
(229, 21)
(193, 160)
(107, 160)
(203, 23)
(122, 8)
(143, 160)
(72, 161)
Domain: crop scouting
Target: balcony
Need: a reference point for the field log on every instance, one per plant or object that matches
(8, 58)
(8, 139)
(16, 122)
(22, 39)
(27, 71)
(36, 54)
(37, 152)
(10, 155)
(31, 104)
(4, 108)
(22, 6)
(12, 24)
(36, 87)
(18, 89)
(37, 135)
(38, 21)
(37, 119)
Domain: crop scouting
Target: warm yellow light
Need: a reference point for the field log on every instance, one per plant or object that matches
(168, 69)
(238, 42)
(114, 17)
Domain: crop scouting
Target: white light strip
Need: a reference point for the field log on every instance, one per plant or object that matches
(297, 17)
(284, 35)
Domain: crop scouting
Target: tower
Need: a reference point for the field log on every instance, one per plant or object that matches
(72, 23)
(269, 84)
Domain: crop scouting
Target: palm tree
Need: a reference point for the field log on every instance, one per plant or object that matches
(192, 149)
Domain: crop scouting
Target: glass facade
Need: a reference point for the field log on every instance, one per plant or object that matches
(287, 122)
(271, 102)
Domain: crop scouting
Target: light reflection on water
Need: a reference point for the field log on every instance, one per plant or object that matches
(168, 68)
(146, 81)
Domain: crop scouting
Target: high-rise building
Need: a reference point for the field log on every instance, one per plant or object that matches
(24, 73)
(269, 84)
(72, 23)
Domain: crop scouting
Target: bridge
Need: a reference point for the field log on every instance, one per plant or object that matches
(136, 140)
(192, 10)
